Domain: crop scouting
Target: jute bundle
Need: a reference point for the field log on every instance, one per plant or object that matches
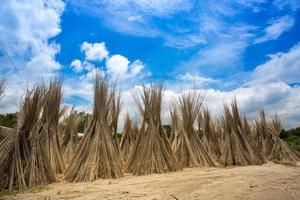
(238, 149)
(175, 125)
(115, 112)
(128, 138)
(248, 128)
(70, 137)
(97, 156)
(152, 152)
(50, 119)
(187, 145)
(209, 137)
(40, 171)
(4, 131)
(280, 151)
(263, 137)
(23, 162)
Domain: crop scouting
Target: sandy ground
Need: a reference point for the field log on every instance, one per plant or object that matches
(270, 181)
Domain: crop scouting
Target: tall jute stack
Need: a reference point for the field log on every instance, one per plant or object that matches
(23, 161)
(187, 145)
(237, 150)
(152, 152)
(115, 113)
(280, 151)
(97, 156)
(50, 119)
(4, 131)
(209, 137)
(128, 138)
(262, 136)
(70, 137)
(175, 126)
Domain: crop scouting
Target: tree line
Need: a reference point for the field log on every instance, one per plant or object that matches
(290, 136)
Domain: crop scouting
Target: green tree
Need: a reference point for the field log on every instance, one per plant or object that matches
(292, 137)
(84, 119)
(167, 129)
(8, 120)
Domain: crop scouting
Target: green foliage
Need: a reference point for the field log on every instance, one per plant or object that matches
(8, 120)
(294, 142)
(119, 135)
(292, 137)
(167, 129)
(84, 119)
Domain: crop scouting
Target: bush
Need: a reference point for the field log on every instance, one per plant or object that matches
(292, 137)
(8, 120)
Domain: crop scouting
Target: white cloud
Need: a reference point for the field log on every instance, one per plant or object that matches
(281, 67)
(87, 65)
(92, 74)
(136, 67)
(291, 4)
(276, 98)
(133, 18)
(25, 29)
(221, 57)
(76, 65)
(162, 8)
(195, 77)
(79, 66)
(276, 28)
(117, 65)
(185, 41)
(26, 26)
(94, 51)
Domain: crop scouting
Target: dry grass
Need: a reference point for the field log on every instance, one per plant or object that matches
(97, 156)
(237, 149)
(209, 137)
(70, 137)
(152, 152)
(280, 151)
(129, 135)
(186, 144)
(50, 119)
(4, 131)
(23, 162)
(35, 152)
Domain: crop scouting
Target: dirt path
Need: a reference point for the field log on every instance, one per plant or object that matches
(270, 181)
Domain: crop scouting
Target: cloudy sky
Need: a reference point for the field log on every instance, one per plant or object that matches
(247, 49)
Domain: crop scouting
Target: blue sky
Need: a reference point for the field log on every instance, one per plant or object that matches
(239, 48)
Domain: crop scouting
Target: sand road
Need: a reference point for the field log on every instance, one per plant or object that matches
(269, 181)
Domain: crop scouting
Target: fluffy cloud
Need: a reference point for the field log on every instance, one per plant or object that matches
(219, 58)
(92, 74)
(94, 51)
(76, 65)
(281, 66)
(117, 65)
(79, 66)
(197, 78)
(136, 67)
(276, 28)
(276, 98)
(26, 26)
(291, 4)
